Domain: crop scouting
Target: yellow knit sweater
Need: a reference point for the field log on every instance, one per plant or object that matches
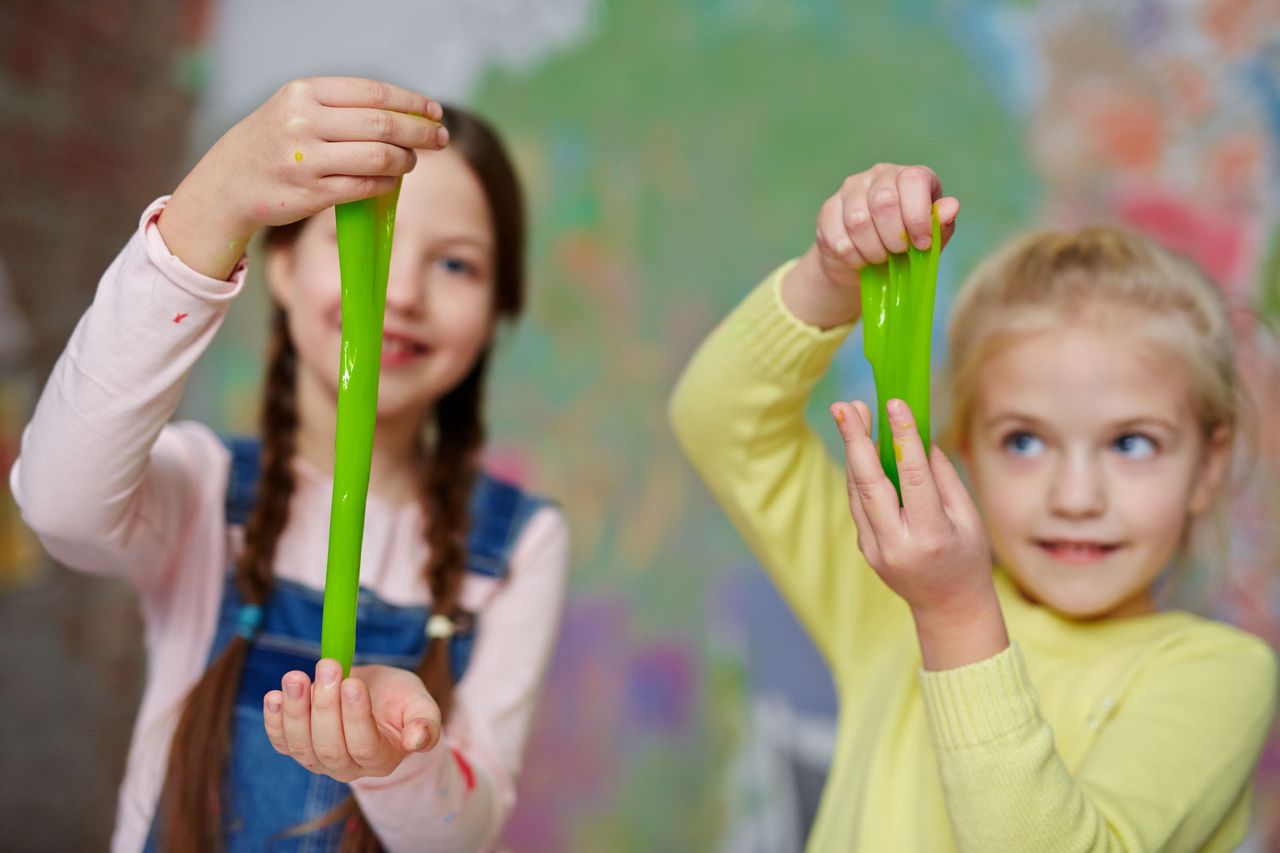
(1126, 734)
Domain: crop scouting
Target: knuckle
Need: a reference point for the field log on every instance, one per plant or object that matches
(297, 91)
(912, 477)
(363, 186)
(933, 547)
(384, 126)
(379, 158)
(379, 93)
(890, 556)
(857, 216)
(883, 199)
(916, 173)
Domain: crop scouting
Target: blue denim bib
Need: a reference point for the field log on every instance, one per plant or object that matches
(267, 795)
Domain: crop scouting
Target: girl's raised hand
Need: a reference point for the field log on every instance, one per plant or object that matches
(932, 550)
(315, 143)
(871, 216)
(349, 728)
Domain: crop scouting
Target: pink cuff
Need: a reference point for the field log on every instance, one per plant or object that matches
(198, 285)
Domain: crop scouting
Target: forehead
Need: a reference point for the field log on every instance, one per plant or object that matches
(443, 193)
(1078, 374)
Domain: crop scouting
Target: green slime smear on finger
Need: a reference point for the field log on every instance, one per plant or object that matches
(897, 312)
(365, 229)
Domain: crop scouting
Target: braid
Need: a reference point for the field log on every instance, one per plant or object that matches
(447, 483)
(190, 803)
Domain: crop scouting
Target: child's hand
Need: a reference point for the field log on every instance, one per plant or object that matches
(932, 550)
(361, 726)
(870, 217)
(315, 143)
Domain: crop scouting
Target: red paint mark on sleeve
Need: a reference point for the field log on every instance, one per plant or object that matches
(468, 775)
(179, 317)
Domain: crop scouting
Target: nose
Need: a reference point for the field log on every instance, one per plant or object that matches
(1078, 489)
(405, 287)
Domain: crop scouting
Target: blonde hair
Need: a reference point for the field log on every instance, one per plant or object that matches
(1099, 276)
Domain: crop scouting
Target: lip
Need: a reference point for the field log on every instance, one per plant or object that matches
(1077, 552)
(400, 349)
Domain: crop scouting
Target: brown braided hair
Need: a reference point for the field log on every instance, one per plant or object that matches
(191, 799)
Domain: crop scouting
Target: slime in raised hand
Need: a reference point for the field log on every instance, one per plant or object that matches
(897, 317)
(365, 229)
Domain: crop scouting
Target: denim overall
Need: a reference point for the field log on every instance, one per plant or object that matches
(267, 794)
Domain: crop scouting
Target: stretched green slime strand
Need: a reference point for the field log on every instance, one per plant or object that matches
(897, 318)
(365, 229)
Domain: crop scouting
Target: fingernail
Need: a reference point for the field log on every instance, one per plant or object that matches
(897, 408)
(292, 688)
(442, 137)
(273, 705)
(844, 247)
(420, 739)
(923, 241)
(839, 415)
(327, 672)
(350, 692)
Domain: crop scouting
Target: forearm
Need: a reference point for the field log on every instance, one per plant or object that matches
(85, 455)
(1006, 786)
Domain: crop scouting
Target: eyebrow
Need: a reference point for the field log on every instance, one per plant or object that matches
(1126, 423)
(462, 240)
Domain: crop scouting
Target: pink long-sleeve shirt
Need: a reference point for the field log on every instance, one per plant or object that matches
(113, 488)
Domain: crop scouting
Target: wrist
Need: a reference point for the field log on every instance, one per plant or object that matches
(961, 631)
(198, 230)
(814, 298)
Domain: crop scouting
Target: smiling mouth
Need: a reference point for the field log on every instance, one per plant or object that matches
(398, 351)
(1076, 551)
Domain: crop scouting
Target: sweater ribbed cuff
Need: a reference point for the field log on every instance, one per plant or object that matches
(979, 703)
(775, 341)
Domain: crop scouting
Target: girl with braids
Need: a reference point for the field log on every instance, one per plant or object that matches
(244, 740)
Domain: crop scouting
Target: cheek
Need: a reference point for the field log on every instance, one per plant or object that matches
(466, 323)
(1010, 498)
(1155, 509)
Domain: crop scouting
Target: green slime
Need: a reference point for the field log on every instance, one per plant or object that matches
(897, 318)
(365, 229)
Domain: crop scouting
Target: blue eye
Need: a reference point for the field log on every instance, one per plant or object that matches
(1135, 446)
(457, 266)
(1023, 443)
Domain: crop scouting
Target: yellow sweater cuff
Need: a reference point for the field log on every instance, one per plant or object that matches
(775, 341)
(980, 703)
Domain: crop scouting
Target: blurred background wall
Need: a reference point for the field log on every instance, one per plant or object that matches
(674, 152)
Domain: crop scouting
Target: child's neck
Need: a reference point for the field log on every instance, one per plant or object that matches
(394, 470)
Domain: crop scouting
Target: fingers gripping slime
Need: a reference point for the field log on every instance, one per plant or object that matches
(364, 256)
(897, 317)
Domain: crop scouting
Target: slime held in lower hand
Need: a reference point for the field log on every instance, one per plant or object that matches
(897, 318)
(365, 229)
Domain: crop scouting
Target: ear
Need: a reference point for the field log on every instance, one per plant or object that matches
(1212, 471)
(280, 278)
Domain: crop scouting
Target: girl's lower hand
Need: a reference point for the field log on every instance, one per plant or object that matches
(871, 216)
(350, 728)
(932, 550)
(315, 143)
